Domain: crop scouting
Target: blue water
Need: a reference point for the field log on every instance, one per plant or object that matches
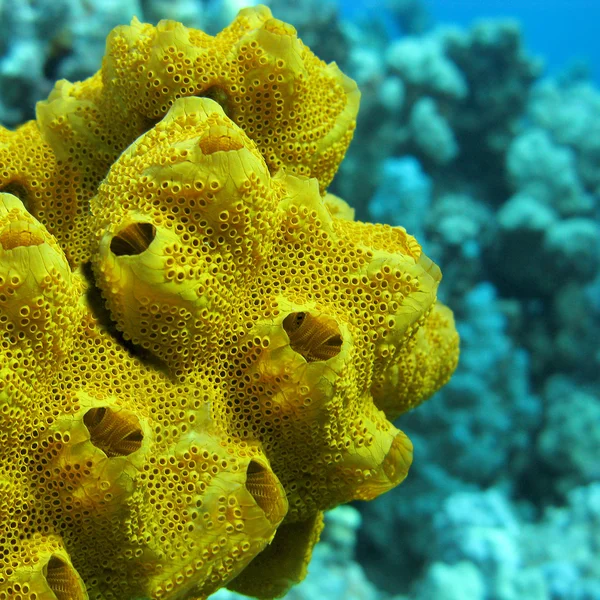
(561, 31)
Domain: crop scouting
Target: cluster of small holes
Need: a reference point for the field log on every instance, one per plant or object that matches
(236, 255)
(299, 254)
(39, 308)
(78, 495)
(223, 232)
(31, 172)
(289, 125)
(57, 181)
(418, 370)
(217, 351)
(49, 570)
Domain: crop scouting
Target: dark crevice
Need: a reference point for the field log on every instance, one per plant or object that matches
(220, 96)
(17, 189)
(214, 92)
(150, 122)
(98, 308)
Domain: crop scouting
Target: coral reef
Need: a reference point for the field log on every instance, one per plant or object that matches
(473, 417)
(452, 99)
(237, 378)
(481, 543)
(492, 164)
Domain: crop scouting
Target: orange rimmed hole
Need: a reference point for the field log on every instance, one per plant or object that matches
(62, 579)
(266, 490)
(115, 433)
(133, 239)
(315, 338)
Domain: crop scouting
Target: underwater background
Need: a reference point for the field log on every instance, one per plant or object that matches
(479, 131)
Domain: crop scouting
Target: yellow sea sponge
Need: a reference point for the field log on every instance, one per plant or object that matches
(245, 280)
(300, 112)
(423, 365)
(130, 487)
(201, 350)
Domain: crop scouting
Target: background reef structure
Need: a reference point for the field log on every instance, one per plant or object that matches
(201, 350)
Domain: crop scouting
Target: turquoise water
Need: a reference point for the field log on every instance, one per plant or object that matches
(563, 32)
